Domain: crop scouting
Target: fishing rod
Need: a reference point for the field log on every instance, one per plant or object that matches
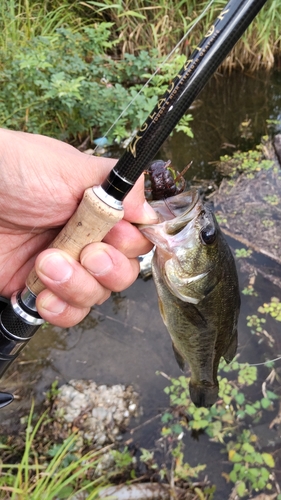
(101, 206)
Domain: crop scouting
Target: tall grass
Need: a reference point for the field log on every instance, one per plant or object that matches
(141, 24)
(62, 473)
(22, 20)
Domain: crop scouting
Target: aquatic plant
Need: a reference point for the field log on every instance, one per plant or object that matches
(249, 290)
(243, 253)
(252, 468)
(255, 323)
(224, 423)
(247, 161)
(273, 308)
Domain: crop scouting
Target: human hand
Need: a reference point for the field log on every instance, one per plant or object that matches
(42, 182)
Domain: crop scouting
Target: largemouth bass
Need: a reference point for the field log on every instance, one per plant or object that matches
(197, 285)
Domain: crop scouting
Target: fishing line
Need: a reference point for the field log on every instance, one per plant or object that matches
(158, 69)
(265, 362)
(255, 364)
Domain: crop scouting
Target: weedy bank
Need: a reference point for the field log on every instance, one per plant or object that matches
(69, 70)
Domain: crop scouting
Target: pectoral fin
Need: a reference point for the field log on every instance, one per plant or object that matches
(232, 348)
(162, 311)
(179, 358)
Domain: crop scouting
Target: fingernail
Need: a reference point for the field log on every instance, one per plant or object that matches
(53, 304)
(150, 212)
(97, 263)
(56, 267)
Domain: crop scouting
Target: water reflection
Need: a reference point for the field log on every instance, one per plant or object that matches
(227, 103)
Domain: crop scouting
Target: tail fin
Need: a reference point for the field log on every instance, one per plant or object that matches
(203, 394)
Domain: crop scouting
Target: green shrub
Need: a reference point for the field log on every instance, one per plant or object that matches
(62, 85)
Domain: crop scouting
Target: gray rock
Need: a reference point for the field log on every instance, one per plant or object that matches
(99, 412)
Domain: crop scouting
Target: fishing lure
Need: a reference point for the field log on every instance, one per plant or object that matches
(162, 180)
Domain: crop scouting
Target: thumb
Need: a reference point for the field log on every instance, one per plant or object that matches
(136, 208)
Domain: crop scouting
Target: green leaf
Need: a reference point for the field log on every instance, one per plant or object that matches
(177, 428)
(241, 488)
(216, 427)
(240, 398)
(258, 458)
(132, 13)
(261, 483)
(235, 365)
(268, 459)
(250, 410)
(241, 415)
(271, 395)
(184, 381)
(254, 472)
(235, 457)
(264, 473)
(166, 418)
(233, 476)
(65, 492)
(250, 459)
(248, 448)
(266, 403)
(199, 424)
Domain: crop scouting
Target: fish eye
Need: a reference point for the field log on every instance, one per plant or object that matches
(208, 234)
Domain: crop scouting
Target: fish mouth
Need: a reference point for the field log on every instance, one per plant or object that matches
(185, 215)
(176, 208)
(203, 394)
(177, 216)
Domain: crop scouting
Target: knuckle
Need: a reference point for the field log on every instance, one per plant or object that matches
(106, 295)
(70, 317)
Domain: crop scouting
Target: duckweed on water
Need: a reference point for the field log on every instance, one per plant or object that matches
(273, 308)
(252, 469)
(249, 290)
(242, 253)
(248, 161)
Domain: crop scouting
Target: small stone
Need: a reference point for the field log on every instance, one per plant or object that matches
(99, 412)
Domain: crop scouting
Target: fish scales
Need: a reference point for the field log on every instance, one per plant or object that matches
(197, 285)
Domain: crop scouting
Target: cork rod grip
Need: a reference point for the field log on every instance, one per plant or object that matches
(91, 222)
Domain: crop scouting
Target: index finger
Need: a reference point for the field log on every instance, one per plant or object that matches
(136, 208)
